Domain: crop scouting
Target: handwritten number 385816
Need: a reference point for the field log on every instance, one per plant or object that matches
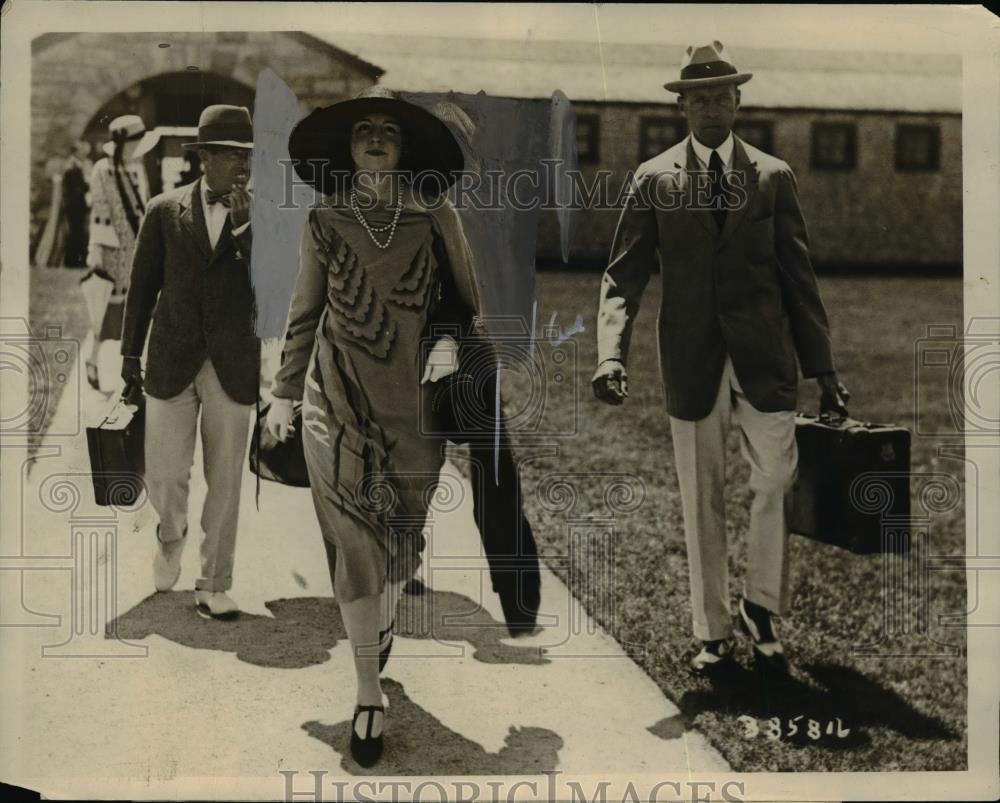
(775, 729)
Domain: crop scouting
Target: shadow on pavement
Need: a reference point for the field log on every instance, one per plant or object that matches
(839, 698)
(301, 633)
(303, 630)
(416, 743)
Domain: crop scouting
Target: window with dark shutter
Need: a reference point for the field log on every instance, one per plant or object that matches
(918, 147)
(656, 134)
(759, 133)
(834, 146)
(588, 133)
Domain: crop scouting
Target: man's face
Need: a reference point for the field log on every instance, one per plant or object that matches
(225, 168)
(710, 112)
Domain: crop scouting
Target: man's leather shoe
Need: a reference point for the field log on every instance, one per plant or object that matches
(215, 605)
(768, 653)
(714, 656)
(167, 562)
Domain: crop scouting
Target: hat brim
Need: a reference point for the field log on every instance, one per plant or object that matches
(718, 80)
(323, 138)
(218, 143)
(145, 144)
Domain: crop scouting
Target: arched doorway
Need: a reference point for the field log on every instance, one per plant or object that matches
(172, 103)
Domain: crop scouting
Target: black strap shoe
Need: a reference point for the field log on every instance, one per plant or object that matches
(768, 653)
(714, 656)
(367, 750)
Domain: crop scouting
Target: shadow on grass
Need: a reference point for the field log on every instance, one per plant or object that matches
(839, 699)
(301, 631)
(417, 743)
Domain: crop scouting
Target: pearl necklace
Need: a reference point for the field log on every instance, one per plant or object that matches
(389, 227)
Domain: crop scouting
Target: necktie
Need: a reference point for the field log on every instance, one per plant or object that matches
(716, 169)
(218, 198)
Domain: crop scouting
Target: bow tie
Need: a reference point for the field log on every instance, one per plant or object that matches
(217, 198)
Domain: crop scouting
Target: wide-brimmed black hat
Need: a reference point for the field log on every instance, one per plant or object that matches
(320, 145)
(224, 126)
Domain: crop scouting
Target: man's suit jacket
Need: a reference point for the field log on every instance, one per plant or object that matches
(748, 290)
(202, 297)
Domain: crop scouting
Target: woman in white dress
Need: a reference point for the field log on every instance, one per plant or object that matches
(119, 192)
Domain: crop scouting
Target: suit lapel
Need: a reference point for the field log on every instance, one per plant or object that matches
(224, 242)
(193, 218)
(747, 175)
(703, 216)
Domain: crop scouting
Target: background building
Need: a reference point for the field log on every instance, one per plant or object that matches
(874, 139)
(81, 81)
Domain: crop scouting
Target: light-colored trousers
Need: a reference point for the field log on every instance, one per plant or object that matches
(171, 427)
(767, 441)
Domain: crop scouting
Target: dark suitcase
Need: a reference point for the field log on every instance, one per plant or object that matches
(853, 478)
(117, 453)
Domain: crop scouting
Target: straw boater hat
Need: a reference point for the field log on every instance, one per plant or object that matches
(324, 138)
(225, 127)
(707, 65)
(130, 128)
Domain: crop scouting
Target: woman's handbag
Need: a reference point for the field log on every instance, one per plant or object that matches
(463, 404)
(279, 461)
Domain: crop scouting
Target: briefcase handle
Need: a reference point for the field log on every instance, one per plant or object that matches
(132, 393)
(832, 415)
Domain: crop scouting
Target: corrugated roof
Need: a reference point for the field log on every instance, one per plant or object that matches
(783, 78)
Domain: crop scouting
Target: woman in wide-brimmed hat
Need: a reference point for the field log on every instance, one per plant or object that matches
(119, 191)
(381, 261)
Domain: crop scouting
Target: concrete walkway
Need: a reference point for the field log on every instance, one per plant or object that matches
(176, 706)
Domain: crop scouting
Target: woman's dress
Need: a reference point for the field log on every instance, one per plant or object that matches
(358, 335)
(113, 227)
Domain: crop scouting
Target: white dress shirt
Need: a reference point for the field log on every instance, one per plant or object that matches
(215, 217)
(704, 153)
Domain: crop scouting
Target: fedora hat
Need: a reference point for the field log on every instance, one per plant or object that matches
(130, 128)
(224, 126)
(323, 140)
(707, 65)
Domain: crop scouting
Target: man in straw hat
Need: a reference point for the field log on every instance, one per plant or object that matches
(192, 265)
(739, 307)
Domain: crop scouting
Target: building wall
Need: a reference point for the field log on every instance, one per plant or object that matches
(74, 76)
(872, 214)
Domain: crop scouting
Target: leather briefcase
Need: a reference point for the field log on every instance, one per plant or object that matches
(117, 452)
(853, 478)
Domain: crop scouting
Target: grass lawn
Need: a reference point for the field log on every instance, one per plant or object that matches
(905, 704)
(55, 300)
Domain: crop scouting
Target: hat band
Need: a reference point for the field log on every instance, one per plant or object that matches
(707, 69)
(224, 133)
(121, 136)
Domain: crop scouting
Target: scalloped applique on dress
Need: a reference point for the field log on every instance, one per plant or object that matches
(359, 315)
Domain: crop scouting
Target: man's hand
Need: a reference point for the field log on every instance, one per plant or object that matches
(610, 382)
(132, 372)
(239, 205)
(833, 394)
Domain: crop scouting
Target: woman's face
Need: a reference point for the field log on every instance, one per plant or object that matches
(376, 142)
